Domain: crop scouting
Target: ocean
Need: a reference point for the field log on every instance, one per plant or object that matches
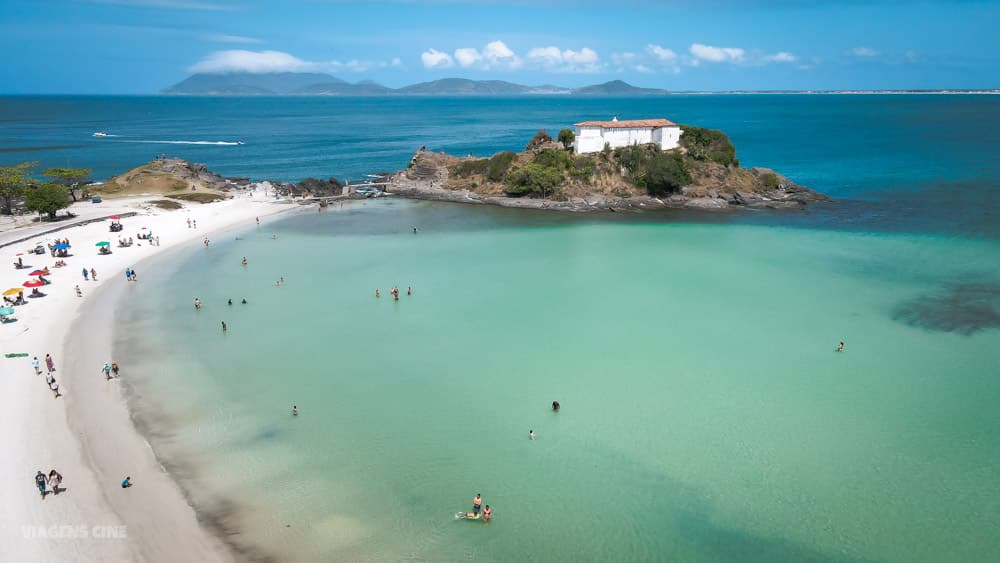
(706, 415)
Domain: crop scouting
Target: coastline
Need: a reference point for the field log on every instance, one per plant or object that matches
(92, 438)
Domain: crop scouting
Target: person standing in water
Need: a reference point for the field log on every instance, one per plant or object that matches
(477, 503)
(295, 410)
(531, 434)
(409, 290)
(224, 328)
(555, 405)
(93, 274)
(840, 348)
(197, 304)
(85, 275)
(487, 514)
(377, 293)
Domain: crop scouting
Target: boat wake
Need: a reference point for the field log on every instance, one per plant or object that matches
(216, 143)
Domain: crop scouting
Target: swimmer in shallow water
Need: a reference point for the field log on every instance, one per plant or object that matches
(295, 410)
(840, 347)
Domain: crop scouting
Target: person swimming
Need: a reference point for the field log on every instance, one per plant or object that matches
(230, 301)
(244, 260)
(531, 434)
(244, 302)
(295, 410)
(840, 348)
(555, 405)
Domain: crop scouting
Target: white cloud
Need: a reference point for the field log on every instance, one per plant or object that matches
(781, 57)
(396, 62)
(863, 52)
(557, 60)
(258, 62)
(467, 57)
(250, 61)
(712, 54)
(223, 38)
(497, 54)
(432, 58)
(661, 53)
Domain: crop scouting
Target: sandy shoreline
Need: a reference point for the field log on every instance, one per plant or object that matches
(87, 434)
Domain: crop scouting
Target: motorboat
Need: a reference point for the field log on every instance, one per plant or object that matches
(100, 134)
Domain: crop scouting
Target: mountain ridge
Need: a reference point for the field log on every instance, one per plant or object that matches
(317, 84)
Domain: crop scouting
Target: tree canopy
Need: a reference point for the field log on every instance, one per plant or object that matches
(13, 181)
(566, 137)
(69, 177)
(47, 198)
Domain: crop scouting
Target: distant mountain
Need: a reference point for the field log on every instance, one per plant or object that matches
(365, 88)
(245, 83)
(453, 86)
(617, 87)
(315, 84)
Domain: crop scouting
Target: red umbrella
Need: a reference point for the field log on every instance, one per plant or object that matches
(33, 283)
(38, 273)
(114, 217)
(19, 254)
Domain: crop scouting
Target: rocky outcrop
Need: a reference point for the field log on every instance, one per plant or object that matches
(713, 187)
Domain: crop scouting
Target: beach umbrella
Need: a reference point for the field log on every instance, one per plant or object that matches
(13, 291)
(103, 243)
(6, 311)
(114, 217)
(19, 254)
(38, 273)
(61, 246)
(33, 283)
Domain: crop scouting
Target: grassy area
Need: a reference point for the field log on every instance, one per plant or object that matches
(166, 204)
(200, 197)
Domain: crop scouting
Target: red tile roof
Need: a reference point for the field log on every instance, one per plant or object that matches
(628, 124)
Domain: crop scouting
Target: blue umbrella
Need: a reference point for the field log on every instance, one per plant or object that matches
(6, 311)
(60, 246)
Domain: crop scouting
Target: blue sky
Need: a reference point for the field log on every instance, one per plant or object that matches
(142, 46)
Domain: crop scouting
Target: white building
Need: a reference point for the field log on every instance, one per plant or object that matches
(591, 136)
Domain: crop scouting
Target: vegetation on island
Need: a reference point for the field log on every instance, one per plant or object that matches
(18, 186)
(47, 198)
(549, 169)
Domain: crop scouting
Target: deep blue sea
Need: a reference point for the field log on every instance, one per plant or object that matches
(916, 163)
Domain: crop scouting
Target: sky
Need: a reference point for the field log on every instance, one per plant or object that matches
(143, 46)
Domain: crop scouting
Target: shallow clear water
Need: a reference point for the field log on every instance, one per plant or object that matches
(705, 414)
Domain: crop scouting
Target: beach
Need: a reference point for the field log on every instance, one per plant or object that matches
(87, 434)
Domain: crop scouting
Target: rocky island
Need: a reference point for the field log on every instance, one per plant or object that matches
(702, 172)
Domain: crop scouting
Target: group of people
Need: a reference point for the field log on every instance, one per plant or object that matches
(53, 479)
(50, 380)
(60, 252)
(130, 274)
(192, 224)
(110, 370)
(394, 292)
(92, 273)
(148, 237)
(477, 508)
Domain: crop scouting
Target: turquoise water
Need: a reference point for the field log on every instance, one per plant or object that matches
(705, 414)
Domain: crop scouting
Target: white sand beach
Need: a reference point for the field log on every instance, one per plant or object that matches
(87, 434)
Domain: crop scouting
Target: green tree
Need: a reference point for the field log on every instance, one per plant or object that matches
(708, 144)
(13, 181)
(566, 137)
(68, 177)
(538, 140)
(666, 173)
(47, 198)
(533, 179)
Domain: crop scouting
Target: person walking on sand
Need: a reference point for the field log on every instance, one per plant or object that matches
(40, 483)
(93, 274)
(134, 275)
(78, 292)
(114, 368)
(128, 274)
(189, 222)
(85, 274)
(107, 371)
(54, 386)
(55, 479)
(51, 365)
(194, 223)
(197, 304)
(477, 503)
(37, 365)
